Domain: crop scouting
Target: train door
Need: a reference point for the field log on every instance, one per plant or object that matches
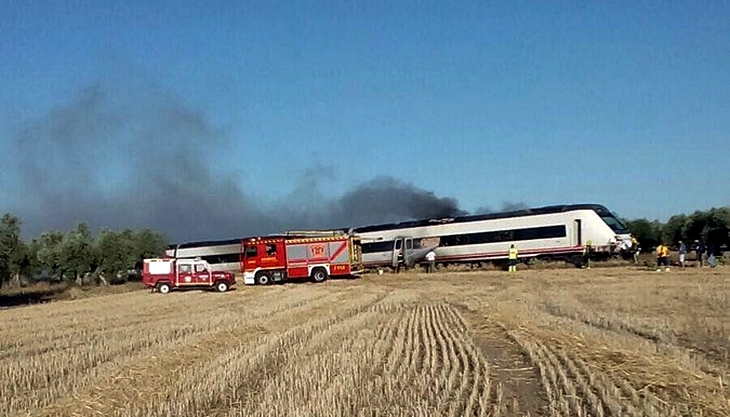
(397, 254)
(408, 253)
(402, 252)
(577, 232)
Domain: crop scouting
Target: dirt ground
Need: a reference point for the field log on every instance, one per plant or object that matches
(600, 342)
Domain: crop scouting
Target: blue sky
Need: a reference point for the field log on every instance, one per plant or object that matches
(624, 103)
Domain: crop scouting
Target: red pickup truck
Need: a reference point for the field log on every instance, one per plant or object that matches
(166, 274)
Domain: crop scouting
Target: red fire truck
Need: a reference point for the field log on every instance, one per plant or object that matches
(167, 273)
(265, 260)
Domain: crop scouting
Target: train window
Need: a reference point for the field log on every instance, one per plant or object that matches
(226, 258)
(398, 244)
(506, 236)
(545, 232)
(409, 244)
(372, 247)
(447, 240)
(229, 258)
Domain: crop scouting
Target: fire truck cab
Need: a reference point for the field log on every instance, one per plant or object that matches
(265, 260)
(165, 274)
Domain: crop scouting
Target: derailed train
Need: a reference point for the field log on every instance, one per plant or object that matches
(556, 232)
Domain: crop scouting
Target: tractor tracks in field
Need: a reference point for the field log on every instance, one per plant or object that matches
(575, 386)
(403, 357)
(712, 359)
(428, 352)
(552, 372)
(518, 379)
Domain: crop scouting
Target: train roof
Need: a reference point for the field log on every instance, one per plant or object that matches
(601, 210)
(237, 241)
(206, 243)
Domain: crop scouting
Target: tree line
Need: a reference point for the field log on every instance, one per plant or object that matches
(112, 255)
(711, 227)
(108, 257)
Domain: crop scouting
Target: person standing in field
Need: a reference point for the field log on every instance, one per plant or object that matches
(711, 260)
(587, 249)
(682, 253)
(635, 248)
(699, 250)
(513, 255)
(662, 257)
(431, 258)
(625, 247)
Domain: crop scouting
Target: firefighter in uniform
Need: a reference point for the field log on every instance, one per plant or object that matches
(513, 254)
(587, 249)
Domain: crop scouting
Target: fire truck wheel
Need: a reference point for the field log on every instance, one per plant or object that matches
(263, 278)
(221, 286)
(163, 288)
(319, 275)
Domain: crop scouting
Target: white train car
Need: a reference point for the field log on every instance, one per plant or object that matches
(222, 255)
(556, 232)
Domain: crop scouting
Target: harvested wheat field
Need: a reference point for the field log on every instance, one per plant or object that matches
(601, 342)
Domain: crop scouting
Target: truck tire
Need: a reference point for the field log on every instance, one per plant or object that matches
(164, 288)
(263, 278)
(221, 286)
(319, 275)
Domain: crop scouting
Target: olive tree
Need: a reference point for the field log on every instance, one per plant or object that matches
(12, 249)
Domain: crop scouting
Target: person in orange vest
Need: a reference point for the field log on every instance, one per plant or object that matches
(662, 257)
(513, 254)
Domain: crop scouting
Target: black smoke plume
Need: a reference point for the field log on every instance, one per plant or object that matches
(506, 207)
(119, 159)
(388, 200)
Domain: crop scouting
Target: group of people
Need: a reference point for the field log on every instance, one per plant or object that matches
(662, 255)
(703, 253)
(630, 245)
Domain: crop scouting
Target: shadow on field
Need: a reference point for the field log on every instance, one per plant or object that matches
(44, 292)
(25, 296)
